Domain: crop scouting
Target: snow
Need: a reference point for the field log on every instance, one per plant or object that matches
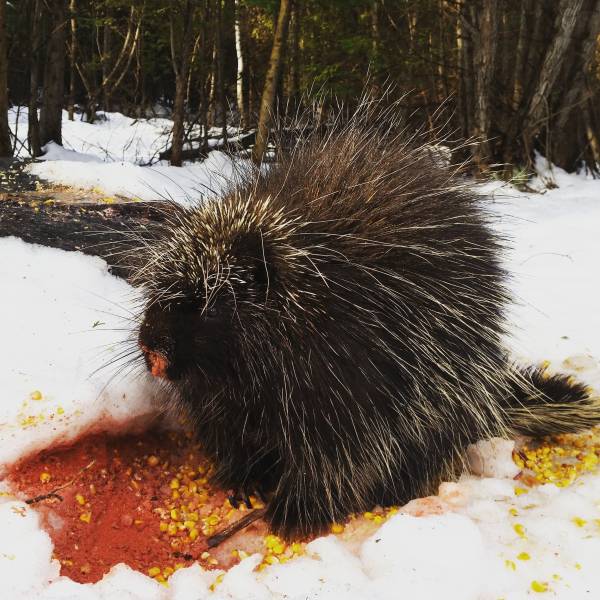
(63, 314)
(110, 155)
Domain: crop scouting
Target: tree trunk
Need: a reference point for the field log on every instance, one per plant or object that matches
(268, 95)
(72, 54)
(375, 58)
(106, 62)
(294, 74)
(484, 62)
(583, 57)
(181, 67)
(220, 79)
(240, 68)
(571, 95)
(54, 81)
(464, 38)
(523, 43)
(567, 16)
(33, 131)
(5, 145)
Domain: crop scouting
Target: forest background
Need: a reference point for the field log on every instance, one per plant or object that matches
(517, 76)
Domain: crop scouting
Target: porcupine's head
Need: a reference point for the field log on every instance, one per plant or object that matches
(213, 284)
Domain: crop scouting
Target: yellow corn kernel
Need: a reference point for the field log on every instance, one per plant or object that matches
(45, 477)
(513, 512)
(36, 395)
(523, 556)
(297, 548)
(337, 528)
(509, 564)
(152, 461)
(154, 571)
(60, 410)
(172, 529)
(519, 529)
(578, 521)
(167, 572)
(174, 485)
(213, 520)
(175, 514)
(163, 526)
(539, 586)
(193, 535)
(278, 548)
(271, 560)
(86, 517)
(378, 519)
(519, 491)
(216, 582)
(79, 499)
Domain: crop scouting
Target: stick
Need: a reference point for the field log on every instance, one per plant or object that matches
(219, 538)
(53, 493)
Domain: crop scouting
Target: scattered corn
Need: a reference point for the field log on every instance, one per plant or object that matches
(509, 564)
(216, 582)
(539, 586)
(558, 460)
(86, 517)
(36, 395)
(45, 477)
(523, 556)
(79, 499)
(519, 530)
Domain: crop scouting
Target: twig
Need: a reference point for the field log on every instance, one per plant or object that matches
(54, 492)
(43, 497)
(219, 538)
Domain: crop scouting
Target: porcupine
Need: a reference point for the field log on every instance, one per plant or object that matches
(333, 325)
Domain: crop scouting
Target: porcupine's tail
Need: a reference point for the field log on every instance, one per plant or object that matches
(542, 404)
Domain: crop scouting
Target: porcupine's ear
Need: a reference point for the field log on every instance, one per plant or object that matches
(255, 255)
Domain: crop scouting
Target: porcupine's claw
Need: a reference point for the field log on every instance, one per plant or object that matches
(239, 496)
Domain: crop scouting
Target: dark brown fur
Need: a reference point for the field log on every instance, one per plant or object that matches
(333, 326)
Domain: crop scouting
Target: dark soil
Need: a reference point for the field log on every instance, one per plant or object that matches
(93, 228)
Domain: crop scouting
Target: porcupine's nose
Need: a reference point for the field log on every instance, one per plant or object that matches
(157, 362)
